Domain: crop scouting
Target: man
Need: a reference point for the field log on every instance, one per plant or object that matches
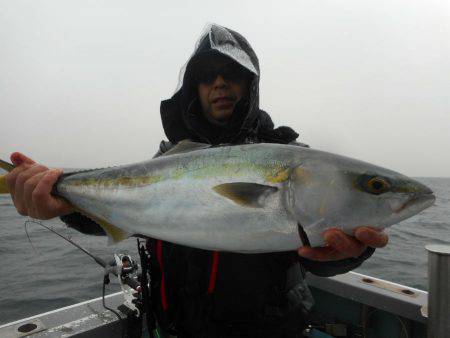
(198, 293)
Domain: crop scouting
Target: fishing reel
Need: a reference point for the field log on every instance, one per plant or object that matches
(135, 288)
(126, 266)
(127, 275)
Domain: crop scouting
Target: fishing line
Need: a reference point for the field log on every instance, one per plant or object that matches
(98, 260)
(106, 281)
(28, 235)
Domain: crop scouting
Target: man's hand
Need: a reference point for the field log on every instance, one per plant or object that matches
(340, 245)
(30, 185)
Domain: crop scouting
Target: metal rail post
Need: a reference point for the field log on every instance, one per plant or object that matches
(438, 291)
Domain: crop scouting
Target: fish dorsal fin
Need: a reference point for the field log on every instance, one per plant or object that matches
(250, 195)
(186, 146)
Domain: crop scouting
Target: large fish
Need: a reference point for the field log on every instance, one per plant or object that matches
(247, 198)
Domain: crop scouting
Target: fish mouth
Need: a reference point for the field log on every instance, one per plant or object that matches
(419, 201)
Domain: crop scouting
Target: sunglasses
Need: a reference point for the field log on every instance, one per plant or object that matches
(231, 72)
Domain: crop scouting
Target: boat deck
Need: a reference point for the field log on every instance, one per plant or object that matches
(351, 304)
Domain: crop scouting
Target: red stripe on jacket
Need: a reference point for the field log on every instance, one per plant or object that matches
(213, 275)
(159, 257)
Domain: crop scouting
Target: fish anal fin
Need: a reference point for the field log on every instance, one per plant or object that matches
(114, 233)
(250, 195)
(185, 146)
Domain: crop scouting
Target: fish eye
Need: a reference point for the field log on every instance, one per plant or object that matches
(377, 185)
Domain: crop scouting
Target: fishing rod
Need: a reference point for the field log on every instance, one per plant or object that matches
(122, 266)
(98, 260)
(125, 268)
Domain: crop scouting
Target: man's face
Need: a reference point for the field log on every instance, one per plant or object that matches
(221, 84)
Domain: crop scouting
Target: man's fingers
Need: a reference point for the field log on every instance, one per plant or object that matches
(371, 237)
(19, 158)
(20, 199)
(46, 205)
(22, 163)
(28, 190)
(31, 185)
(45, 185)
(322, 254)
(342, 246)
(344, 243)
(12, 177)
(15, 189)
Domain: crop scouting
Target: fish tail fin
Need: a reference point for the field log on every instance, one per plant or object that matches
(8, 167)
(3, 187)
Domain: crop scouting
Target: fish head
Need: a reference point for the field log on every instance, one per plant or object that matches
(337, 191)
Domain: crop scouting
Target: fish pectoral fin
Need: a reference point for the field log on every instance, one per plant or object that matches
(185, 146)
(245, 194)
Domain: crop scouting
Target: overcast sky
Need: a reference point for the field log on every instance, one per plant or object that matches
(81, 81)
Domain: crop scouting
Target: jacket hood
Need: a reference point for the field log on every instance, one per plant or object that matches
(181, 114)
